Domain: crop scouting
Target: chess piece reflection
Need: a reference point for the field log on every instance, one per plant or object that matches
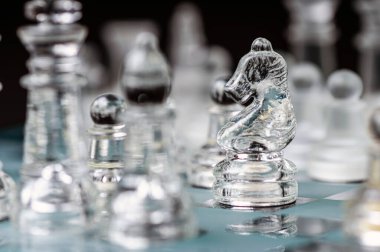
(150, 205)
(305, 83)
(362, 213)
(201, 170)
(312, 32)
(107, 149)
(341, 156)
(254, 172)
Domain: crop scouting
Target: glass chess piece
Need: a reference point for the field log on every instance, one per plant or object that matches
(119, 37)
(189, 57)
(7, 189)
(150, 205)
(312, 32)
(145, 82)
(52, 131)
(107, 149)
(368, 46)
(361, 220)
(341, 156)
(53, 208)
(7, 193)
(200, 173)
(254, 172)
(305, 84)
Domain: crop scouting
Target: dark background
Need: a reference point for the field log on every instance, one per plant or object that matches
(233, 25)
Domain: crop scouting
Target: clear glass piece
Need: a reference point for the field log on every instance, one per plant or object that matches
(254, 172)
(341, 156)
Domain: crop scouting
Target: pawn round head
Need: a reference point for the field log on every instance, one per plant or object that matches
(304, 77)
(261, 44)
(107, 109)
(146, 74)
(345, 85)
(218, 93)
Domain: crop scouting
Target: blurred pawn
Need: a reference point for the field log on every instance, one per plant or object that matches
(219, 63)
(53, 208)
(305, 82)
(362, 220)
(150, 205)
(200, 173)
(107, 149)
(119, 37)
(189, 57)
(341, 156)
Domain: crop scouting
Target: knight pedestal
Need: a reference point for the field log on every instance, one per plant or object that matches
(254, 172)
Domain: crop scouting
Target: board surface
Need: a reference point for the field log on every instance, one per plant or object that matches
(313, 223)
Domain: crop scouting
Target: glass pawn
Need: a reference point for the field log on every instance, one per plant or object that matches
(254, 172)
(305, 84)
(341, 156)
(362, 213)
(200, 173)
(107, 149)
(150, 205)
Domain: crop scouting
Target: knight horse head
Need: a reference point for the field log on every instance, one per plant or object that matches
(255, 68)
(268, 122)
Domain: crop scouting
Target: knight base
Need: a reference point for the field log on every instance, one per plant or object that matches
(255, 180)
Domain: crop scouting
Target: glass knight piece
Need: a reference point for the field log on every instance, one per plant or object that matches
(341, 156)
(200, 173)
(52, 132)
(361, 220)
(254, 172)
(150, 205)
(107, 148)
(305, 84)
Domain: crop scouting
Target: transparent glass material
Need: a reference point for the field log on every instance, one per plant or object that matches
(312, 32)
(254, 172)
(308, 96)
(55, 204)
(200, 172)
(107, 150)
(7, 194)
(362, 213)
(341, 156)
(150, 205)
(368, 45)
(190, 57)
(52, 133)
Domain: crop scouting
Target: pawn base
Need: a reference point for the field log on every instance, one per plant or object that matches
(157, 210)
(200, 173)
(339, 164)
(255, 180)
